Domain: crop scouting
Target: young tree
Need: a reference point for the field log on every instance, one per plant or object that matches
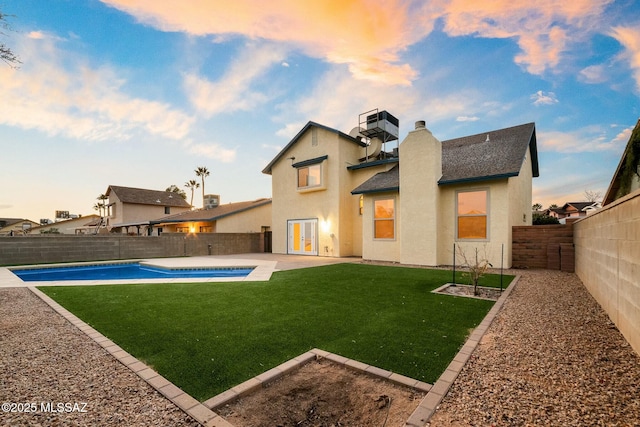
(192, 185)
(476, 268)
(202, 172)
(6, 54)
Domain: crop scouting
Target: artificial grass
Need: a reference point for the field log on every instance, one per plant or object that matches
(208, 337)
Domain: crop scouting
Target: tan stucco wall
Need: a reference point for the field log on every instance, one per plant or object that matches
(380, 249)
(420, 170)
(249, 221)
(426, 212)
(337, 211)
(499, 232)
(607, 251)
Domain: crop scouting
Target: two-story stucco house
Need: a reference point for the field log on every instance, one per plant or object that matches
(333, 196)
(129, 206)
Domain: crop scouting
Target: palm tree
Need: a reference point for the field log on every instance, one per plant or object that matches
(102, 204)
(202, 172)
(192, 185)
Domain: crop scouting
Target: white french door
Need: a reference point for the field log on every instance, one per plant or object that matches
(302, 236)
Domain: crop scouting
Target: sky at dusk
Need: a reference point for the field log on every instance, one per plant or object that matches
(139, 93)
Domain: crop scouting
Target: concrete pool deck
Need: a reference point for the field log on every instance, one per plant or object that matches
(264, 265)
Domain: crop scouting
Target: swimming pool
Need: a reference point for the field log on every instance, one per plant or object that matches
(133, 270)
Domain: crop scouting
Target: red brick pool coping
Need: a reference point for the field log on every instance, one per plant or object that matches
(204, 412)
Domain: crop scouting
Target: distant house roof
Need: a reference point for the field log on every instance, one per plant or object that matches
(213, 214)
(579, 206)
(141, 196)
(267, 169)
(4, 222)
(628, 169)
(488, 155)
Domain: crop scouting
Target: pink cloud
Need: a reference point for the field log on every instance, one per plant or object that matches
(368, 36)
(542, 28)
(630, 39)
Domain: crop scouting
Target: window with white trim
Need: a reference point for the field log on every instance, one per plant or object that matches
(384, 219)
(310, 176)
(472, 218)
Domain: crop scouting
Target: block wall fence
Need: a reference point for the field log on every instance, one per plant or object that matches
(607, 245)
(38, 249)
(543, 246)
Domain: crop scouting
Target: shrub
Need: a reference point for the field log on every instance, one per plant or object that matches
(542, 219)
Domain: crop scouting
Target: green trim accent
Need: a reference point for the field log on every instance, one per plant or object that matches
(374, 163)
(478, 178)
(309, 162)
(377, 190)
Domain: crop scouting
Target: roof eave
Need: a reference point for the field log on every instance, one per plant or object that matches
(477, 178)
(533, 151)
(213, 218)
(376, 190)
(267, 169)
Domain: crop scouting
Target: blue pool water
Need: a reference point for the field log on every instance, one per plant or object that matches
(124, 271)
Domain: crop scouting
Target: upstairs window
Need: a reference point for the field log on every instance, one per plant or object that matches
(472, 218)
(310, 176)
(384, 219)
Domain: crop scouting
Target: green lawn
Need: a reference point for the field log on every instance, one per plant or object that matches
(208, 337)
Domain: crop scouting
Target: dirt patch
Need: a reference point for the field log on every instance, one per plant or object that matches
(324, 394)
(467, 291)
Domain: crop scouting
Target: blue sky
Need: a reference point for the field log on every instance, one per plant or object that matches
(141, 92)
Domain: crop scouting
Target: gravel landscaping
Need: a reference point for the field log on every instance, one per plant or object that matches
(551, 357)
(48, 365)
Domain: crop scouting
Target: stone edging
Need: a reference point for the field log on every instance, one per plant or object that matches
(203, 412)
(271, 375)
(188, 404)
(429, 404)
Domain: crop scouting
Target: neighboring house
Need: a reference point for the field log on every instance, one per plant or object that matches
(573, 210)
(82, 225)
(130, 209)
(241, 217)
(627, 176)
(333, 197)
(14, 226)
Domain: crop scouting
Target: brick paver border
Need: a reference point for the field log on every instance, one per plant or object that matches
(429, 404)
(204, 412)
(290, 366)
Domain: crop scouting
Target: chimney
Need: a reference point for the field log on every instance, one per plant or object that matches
(421, 124)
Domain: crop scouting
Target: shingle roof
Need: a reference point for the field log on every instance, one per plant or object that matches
(472, 158)
(213, 214)
(382, 181)
(147, 197)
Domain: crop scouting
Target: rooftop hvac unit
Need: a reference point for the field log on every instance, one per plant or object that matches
(211, 201)
(383, 125)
